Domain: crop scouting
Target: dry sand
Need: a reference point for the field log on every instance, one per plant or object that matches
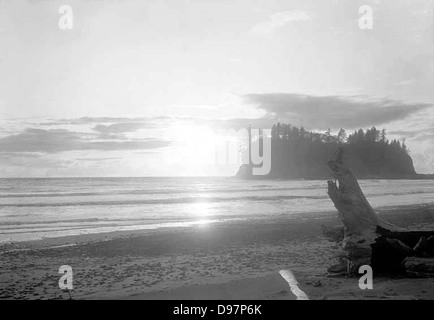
(219, 261)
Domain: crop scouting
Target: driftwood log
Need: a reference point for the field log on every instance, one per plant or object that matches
(366, 239)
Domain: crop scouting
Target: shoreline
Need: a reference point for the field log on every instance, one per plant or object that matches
(217, 258)
(421, 176)
(421, 211)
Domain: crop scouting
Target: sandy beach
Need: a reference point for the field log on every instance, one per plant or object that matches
(216, 150)
(237, 260)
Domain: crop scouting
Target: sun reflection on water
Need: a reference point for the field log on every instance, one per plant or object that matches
(202, 213)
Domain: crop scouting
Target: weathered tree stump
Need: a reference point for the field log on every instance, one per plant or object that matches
(419, 267)
(369, 240)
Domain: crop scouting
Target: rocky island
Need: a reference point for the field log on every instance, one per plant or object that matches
(300, 154)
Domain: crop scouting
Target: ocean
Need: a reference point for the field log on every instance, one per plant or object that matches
(32, 209)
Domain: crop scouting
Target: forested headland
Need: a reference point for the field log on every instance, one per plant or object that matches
(297, 153)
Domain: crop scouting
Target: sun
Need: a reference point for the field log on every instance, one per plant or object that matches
(194, 146)
(199, 144)
(199, 150)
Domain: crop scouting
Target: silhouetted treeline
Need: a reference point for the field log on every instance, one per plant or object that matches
(297, 153)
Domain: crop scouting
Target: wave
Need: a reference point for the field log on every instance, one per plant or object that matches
(19, 223)
(144, 192)
(193, 199)
(163, 201)
(190, 191)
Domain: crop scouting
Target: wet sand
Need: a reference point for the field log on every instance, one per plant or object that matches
(238, 260)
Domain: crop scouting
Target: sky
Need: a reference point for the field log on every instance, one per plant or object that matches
(140, 88)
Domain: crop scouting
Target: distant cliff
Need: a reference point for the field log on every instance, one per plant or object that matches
(299, 154)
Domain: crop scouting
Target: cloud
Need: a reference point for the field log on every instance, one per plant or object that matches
(115, 128)
(33, 162)
(105, 120)
(322, 112)
(420, 134)
(279, 20)
(234, 123)
(100, 159)
(423, 157)
(426, 137)
(60, 140)
(122, 127)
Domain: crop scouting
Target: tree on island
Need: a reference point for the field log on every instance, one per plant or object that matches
(297, 153)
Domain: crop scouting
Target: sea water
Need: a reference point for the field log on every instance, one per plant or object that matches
(32, 209)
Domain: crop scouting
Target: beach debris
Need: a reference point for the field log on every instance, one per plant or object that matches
(340, 268)
(419, 267)
(317, 284)
(368, 239)
(293, 284)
